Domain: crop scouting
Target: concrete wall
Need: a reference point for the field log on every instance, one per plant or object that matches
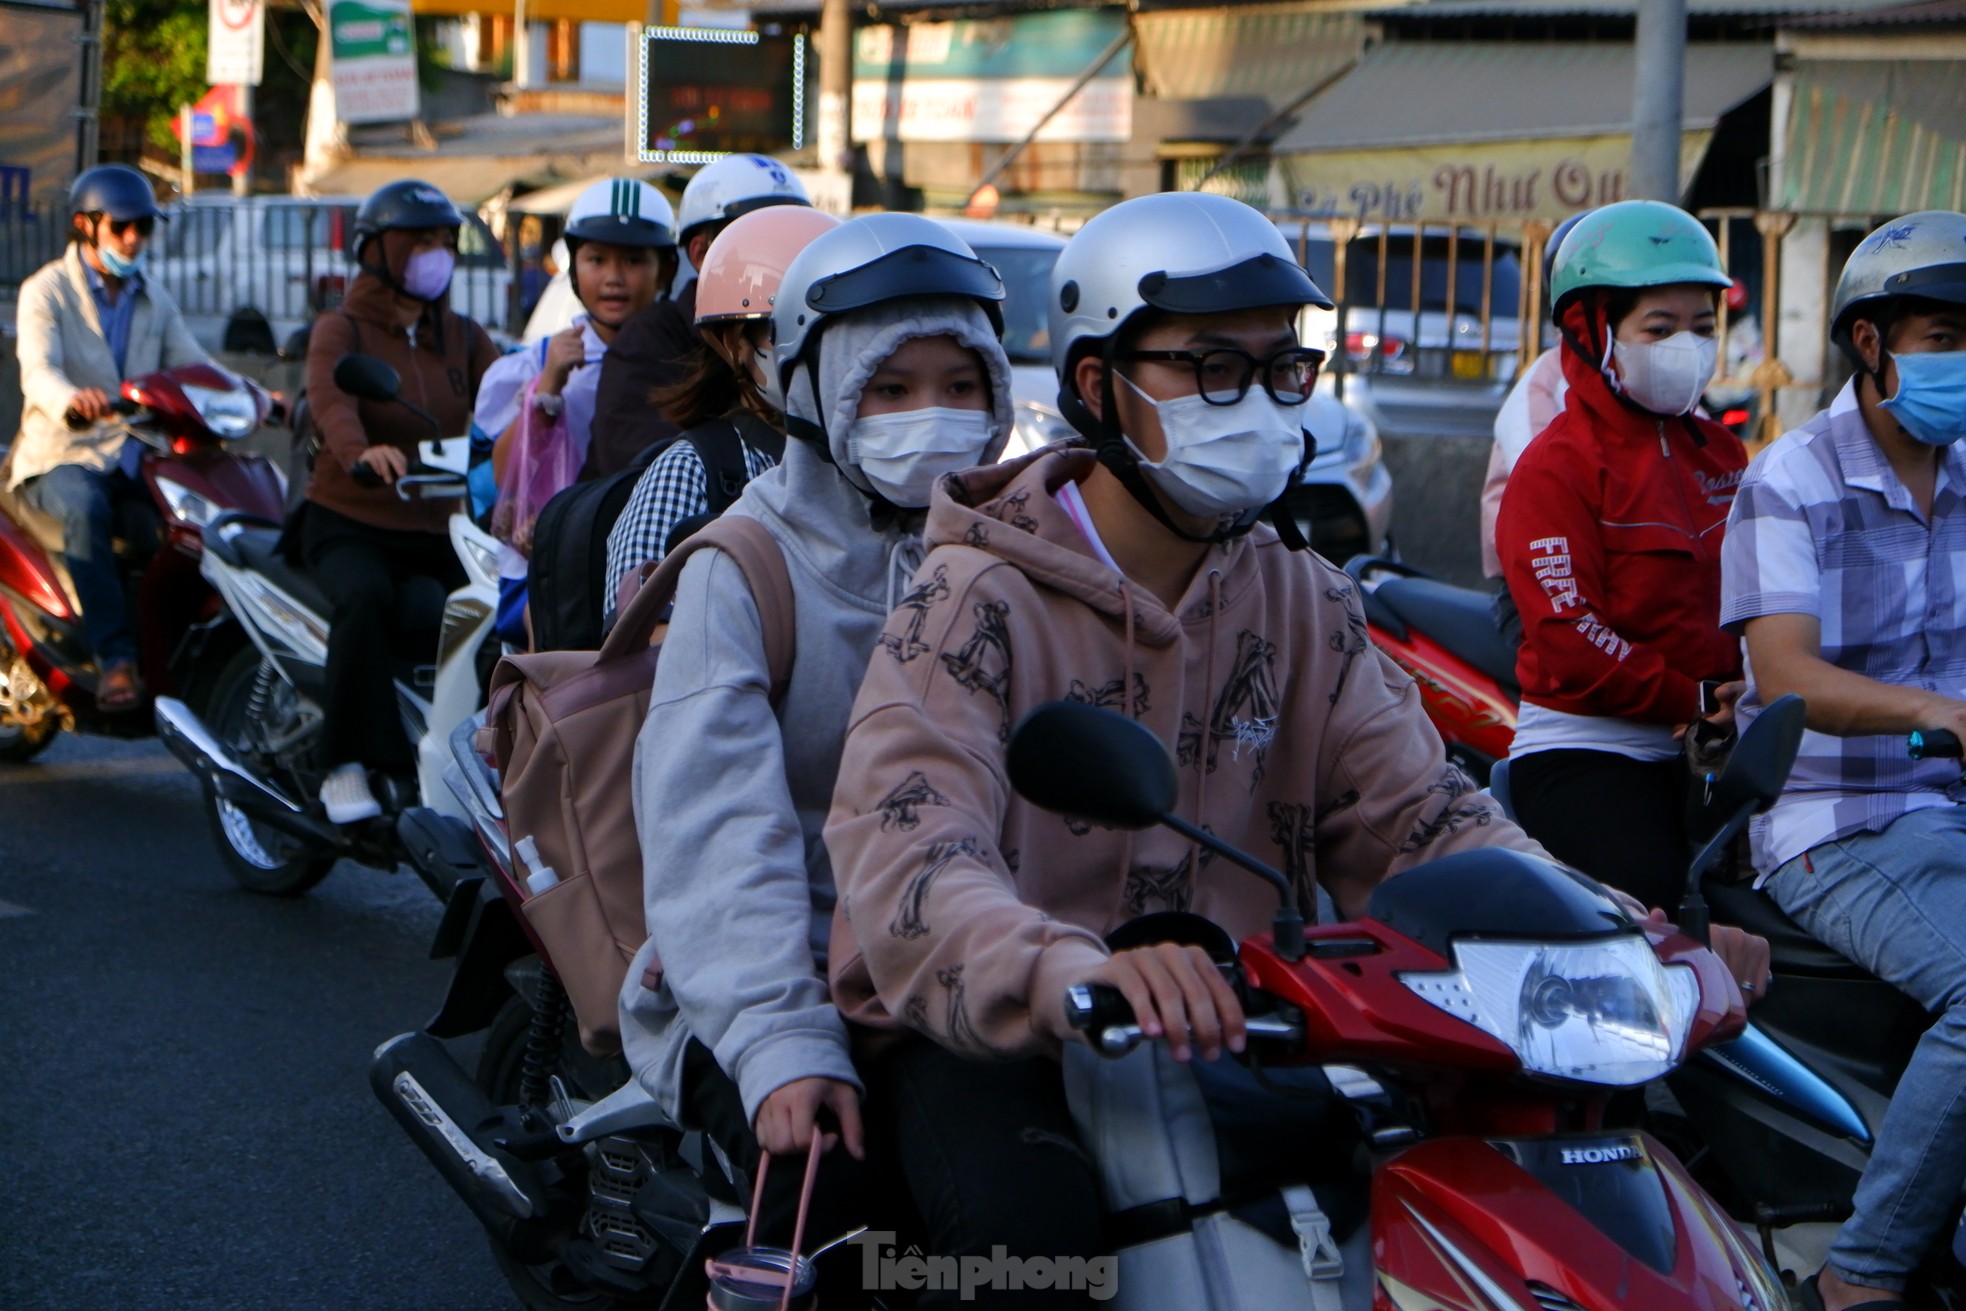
(1437, 503)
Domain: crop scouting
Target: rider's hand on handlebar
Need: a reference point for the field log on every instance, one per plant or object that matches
(1945, 713)
(1178, 993)
(789, 1117)
(385, 462)
(1744, 954)
(89, 404)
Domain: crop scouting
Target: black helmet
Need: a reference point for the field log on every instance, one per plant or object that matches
(405, 204)
(116, 190)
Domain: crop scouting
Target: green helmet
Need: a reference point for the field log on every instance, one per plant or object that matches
(1634, 243)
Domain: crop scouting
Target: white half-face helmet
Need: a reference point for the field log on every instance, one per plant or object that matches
(735, 185)
(621, 212)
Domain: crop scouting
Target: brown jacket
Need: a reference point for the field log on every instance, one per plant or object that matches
(440, 364)
(965, 911)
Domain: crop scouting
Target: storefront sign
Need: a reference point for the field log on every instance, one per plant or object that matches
(1507, 181)
(992, 80)
(374, 51)
(235, 43)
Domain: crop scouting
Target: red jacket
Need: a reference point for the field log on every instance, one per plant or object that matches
(1609, 536)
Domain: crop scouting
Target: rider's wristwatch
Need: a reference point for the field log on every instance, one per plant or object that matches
(550, 403)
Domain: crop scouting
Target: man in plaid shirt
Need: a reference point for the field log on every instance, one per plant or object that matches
(1845, 570)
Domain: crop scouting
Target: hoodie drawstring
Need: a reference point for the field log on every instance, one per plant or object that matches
(903, 559)
(1129, 705)
(1208, 717)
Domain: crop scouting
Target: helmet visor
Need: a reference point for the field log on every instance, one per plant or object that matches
(1253, 284)
(1940, 282)
(910, 271)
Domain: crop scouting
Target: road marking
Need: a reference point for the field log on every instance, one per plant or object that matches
(78, 772)
(8, 911)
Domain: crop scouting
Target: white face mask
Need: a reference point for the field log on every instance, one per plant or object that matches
(1666, 377)
(1223, 459)
(903, 454)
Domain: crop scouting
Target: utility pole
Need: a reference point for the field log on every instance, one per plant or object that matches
(88, 143)
(1658, 100)
(835, 85)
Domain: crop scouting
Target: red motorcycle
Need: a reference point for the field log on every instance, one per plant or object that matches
(1447, 639)
(1490, 1004)
(186, 419)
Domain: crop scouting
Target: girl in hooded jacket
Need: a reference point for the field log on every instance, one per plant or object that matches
(886, 355)
(1609, 536)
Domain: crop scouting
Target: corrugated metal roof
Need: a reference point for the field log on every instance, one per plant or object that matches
(1277, 52)
(1871, 136)
(1427, 93)
(1452, 9)
(1939, 11)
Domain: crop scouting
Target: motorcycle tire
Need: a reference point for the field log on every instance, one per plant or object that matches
(551, 1286)
(259, 859)
(20, 743)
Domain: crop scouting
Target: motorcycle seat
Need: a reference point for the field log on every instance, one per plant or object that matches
(1791, 950)
(1457, 619)
(259, 549)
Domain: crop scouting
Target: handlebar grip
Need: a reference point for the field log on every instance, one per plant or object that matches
(123, 405)
(1101, 1012)
(364, 476)
(1937, 744)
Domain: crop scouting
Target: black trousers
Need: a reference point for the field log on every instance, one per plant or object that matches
(1619, 820)
(371, 576)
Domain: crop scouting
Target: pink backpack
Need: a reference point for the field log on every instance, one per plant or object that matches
(561, 728)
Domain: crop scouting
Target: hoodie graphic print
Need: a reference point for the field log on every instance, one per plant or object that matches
(964, 911)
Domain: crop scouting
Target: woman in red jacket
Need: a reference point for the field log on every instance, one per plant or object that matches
(1609, 537)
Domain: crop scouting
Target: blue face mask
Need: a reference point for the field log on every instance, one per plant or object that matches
(117, 263)
(1931, 399)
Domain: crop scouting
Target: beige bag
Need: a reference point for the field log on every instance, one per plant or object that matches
(561, 728)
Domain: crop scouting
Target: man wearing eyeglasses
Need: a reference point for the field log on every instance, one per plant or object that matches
(88, 321)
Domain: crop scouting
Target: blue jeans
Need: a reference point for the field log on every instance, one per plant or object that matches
(83, 501)
(1895, 903)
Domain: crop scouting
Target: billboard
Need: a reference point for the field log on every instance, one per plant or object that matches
(374, 59)
(705, 92)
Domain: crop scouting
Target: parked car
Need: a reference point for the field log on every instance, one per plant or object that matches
(250, 271)
(1345, 504)
(1434, 372)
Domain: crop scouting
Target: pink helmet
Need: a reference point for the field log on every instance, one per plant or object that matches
(740, 275)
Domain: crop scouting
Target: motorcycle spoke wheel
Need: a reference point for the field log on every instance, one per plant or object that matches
(260, 859)
(21, 740)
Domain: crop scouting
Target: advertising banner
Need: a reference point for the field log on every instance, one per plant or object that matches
(992, 80)
(374, 55)
(236, 44)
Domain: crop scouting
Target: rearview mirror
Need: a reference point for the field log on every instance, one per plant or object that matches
(1089, 763)
(1759, 765)
(366, 377)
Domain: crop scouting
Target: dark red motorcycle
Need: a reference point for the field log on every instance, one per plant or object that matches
(1447, 639)
(186, 419)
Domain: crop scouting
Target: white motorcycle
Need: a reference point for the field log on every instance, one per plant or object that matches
(254, 747)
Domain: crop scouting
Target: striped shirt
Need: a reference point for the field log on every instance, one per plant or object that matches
(1823, 527)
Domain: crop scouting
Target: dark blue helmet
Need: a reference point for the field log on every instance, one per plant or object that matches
(116, 190)
(405, 204)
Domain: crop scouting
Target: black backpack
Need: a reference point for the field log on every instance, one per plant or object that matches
(568, 574)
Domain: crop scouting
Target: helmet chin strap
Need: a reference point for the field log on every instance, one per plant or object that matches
(1120, 460)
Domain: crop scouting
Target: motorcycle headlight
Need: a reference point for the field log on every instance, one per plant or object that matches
(186, 504)
(1604, 1012)
(227, 413)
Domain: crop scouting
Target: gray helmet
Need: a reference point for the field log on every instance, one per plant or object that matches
(1187, 252)
(879, 257)
(1921, 255)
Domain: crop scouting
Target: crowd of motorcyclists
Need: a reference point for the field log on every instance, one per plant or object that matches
(855, 927)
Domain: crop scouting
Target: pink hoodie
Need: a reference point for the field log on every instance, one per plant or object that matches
(965, 912)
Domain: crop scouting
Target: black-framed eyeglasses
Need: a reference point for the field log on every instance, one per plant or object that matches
(144, 226)
(1223, 374)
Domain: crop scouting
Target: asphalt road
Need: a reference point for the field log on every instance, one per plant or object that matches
(185, 1120)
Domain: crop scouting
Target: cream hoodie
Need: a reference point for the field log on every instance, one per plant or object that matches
(964, 911)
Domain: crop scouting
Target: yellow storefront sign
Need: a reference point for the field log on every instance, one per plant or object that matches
(1472, 182)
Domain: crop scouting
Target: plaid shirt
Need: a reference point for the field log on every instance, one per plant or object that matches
(672, 489)
(1823, 527)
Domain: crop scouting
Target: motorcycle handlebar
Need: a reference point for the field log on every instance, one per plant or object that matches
(120, 405)
(1100, 1011)
(1937, 744)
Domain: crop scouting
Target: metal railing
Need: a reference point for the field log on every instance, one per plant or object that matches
(230, 262)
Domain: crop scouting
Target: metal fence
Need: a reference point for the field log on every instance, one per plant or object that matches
(248, 272)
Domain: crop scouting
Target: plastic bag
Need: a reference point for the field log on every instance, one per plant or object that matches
(543, 463)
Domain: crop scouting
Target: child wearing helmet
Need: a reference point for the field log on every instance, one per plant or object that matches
(886, 353)
(540, 401)
(1132, 574)
(1609, 536)
(1842, 572)
(723, 402)
(80, 336)
(653, 350)
(361, 543)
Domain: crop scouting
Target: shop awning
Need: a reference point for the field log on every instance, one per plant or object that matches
(586, 11)
(1493, 132)
(1873, 137)
(1275, 52)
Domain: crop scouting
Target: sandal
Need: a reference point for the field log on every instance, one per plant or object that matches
(1808, 1297)
(119, 689)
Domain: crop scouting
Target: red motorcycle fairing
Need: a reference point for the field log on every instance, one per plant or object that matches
(226, 479)
(26, 571)
(1466, 706)
(1459, 1224)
